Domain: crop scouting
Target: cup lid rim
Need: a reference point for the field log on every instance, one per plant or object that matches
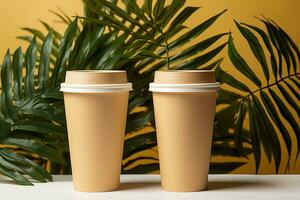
(176, 87)
(186, 71)
(96, 71)
(95, 88)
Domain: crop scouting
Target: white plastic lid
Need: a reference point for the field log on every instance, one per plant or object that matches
(95, 88)
(195, 87)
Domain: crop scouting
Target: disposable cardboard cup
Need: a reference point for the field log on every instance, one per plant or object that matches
(96, 109)
(184, 107)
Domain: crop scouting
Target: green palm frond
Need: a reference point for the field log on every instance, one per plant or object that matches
(12, 127)
(32, 112)
(40, 36)
(269, 102)
(152, 36)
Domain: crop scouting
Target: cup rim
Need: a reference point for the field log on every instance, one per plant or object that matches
(96, 71)
(190, 87)
(185, 71)
(95, 88)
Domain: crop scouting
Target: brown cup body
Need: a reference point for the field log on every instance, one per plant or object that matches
(96, 129)
(184, 126)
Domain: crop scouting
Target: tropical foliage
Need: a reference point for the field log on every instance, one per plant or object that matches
(269, 101)
(139, 38)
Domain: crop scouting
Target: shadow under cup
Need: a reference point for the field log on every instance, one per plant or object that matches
(184, 107)
(96, 109)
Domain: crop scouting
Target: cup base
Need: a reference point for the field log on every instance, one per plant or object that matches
(171, 189)
(95, 190)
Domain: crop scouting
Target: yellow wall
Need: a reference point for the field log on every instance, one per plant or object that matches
(19, 13)
(15, 14)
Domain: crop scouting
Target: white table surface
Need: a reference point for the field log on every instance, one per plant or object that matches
(144, 187)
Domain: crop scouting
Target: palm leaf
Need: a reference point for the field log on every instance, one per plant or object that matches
(263, 102)
(224, 167)
(63, 53)
(29, 123)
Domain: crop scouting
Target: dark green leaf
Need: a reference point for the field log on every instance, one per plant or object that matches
(134, 8)
(146, 53)
(219, 149)
(201, 60)
(64, 52)
(51, 114)
(256, 48)
(240, 64)
(158, 8)
(289, 99)
(142, 169)
(37, 147)
(296, 82)
(132, 161)
(88, 43)
(276, 119)
(35, 32)
(267, 133)
(23, 169)
(285, 40)
(57, 35)
(292, 43)
(225, 117)
(230, 80)
(19, 178)
(110, 50)
(195, 32)
(43, 70)
(16, 158)
(138, 120)
(115, 24)
(115, 60)
(139, 143)
(171, 11)
(5, 128)
(30, 60)
(152, 47)
(41, 127)
(294, 91)
(267, 43)
(238, 127)
(286, 114)
(138, 101)
(283, 47)
(213, 65)
(224, 167)
(116, 10)
(7, 107)
(148, 7)
(275, 44)
(197, 48)
(254, 129)
(64, 18)
(53, 94)
(227, 96)
(183, 16)
(17, 65)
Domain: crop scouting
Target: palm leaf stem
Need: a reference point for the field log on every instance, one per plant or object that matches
(270, 85)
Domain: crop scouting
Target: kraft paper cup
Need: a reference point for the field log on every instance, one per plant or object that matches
(96, 109)
(184, 107)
